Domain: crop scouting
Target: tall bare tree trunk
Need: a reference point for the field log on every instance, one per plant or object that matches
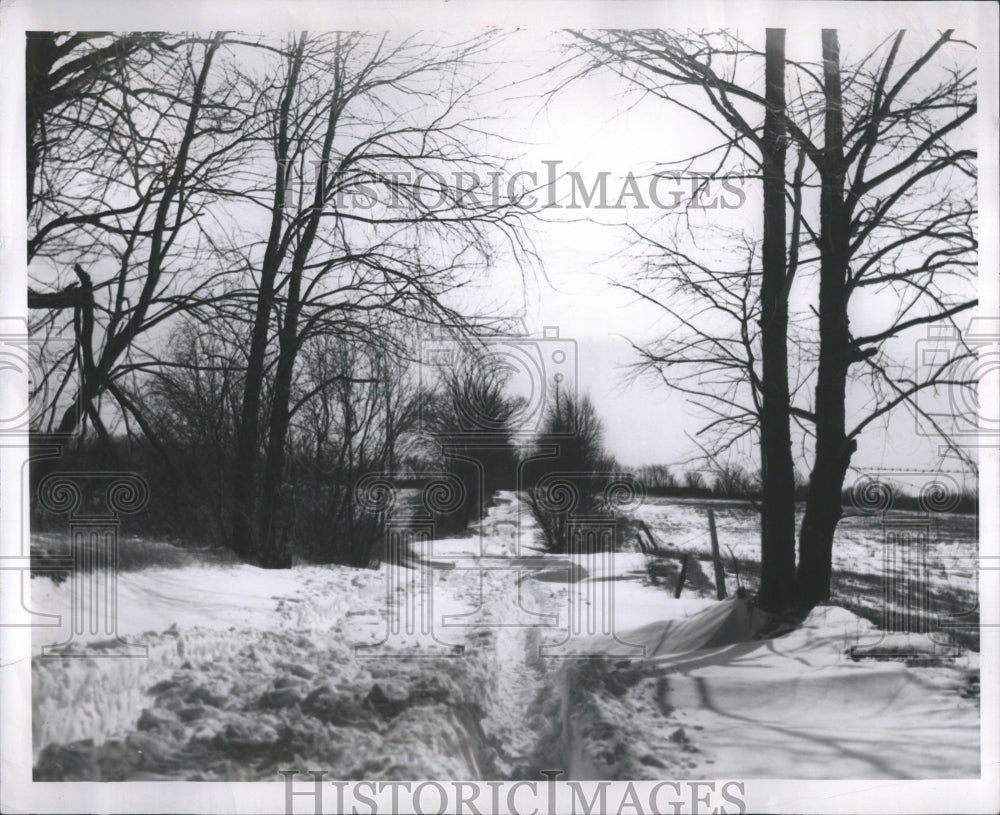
(272, 547)
(833, 448)
(246, 526)
(777, 527)
(124, 326)
(274, 552)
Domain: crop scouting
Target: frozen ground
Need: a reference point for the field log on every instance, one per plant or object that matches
(522, 667)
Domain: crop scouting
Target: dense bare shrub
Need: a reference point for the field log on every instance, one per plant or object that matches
(466, 429)
(733, 481)
(568, 471)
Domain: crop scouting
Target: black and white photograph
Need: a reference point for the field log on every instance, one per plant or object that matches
(499, 407)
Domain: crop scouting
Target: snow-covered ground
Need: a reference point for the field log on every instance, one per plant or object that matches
(933, 555)
(492, 661)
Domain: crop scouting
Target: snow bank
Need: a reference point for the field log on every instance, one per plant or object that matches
(717, 624)
(250, 671)
(713, 699)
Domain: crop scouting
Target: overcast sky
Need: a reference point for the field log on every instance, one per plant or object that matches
(598, 125)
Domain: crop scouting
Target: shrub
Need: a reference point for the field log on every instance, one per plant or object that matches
(467, 421)
(572, 482)
(733, 481)
(694, 480)
(657, 477)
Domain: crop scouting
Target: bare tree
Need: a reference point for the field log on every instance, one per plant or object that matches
(293, 190)
(65, 73)
(897, 217)
(190, 401)
(352, 402)
(129, 142)
(363, 179)
(571, 484)
(735, 358)
(467, 427)
(893, 225)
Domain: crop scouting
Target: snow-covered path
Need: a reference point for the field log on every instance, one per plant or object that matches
(251, 671)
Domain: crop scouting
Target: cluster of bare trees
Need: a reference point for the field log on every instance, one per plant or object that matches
(867, 174)
(727, 479)
(241, 236)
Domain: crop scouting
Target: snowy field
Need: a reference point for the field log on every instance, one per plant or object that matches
(939, 553)
(490, 661)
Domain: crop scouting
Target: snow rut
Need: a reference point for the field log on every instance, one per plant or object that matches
(259, 673)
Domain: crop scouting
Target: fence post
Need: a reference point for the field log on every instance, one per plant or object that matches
(681, 577)
(720, 574)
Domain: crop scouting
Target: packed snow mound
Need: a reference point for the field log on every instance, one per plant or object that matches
(721, 623)
(215, 597)
(712, 698)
